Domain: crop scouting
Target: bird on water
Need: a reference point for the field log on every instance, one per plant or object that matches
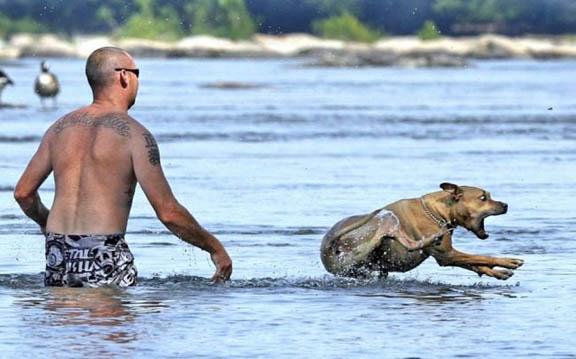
(4, 81)
(46, 85)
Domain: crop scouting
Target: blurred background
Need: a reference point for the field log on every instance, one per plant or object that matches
(360, 20)
(341, 33)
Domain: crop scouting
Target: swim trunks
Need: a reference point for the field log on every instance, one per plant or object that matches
(88, 261)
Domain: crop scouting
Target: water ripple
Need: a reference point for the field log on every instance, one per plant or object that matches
(327, 282)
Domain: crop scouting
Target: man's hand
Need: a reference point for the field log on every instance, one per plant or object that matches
(223, 264)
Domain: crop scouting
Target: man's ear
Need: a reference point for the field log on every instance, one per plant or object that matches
(123, 79)
(452, 189)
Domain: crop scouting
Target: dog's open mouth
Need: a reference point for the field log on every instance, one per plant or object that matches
(478, 229)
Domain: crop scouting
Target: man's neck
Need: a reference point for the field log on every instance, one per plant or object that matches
(110, 103)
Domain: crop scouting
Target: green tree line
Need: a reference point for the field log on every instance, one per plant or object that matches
(360, 20)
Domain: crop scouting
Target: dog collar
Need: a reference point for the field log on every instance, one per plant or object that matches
(441, 222)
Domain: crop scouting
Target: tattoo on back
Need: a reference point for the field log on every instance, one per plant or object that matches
(113, 121)
(152, 146)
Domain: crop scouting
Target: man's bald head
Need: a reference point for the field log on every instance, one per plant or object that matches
(101, 64)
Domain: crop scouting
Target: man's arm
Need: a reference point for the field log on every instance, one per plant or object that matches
(149, 174)
(26, 191)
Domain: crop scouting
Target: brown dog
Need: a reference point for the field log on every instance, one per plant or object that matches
(400, 236)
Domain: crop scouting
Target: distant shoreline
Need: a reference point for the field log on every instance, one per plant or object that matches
(389, 51)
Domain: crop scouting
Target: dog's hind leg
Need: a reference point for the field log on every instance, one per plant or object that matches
(348, 248)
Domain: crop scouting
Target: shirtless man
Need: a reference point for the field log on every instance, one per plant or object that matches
(98, 153)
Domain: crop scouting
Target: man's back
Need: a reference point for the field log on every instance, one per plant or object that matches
(97, 154)
(90, 156)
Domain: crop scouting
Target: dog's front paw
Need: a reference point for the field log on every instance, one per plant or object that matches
(501, 274)
(510, 263)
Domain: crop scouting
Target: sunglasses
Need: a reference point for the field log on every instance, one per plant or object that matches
(134, 71)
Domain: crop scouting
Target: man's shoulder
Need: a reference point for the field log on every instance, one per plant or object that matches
(120, 122)
(134, 123)
(137, 129)
(136, 126)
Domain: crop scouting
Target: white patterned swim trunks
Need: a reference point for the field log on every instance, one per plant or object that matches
(88, 261)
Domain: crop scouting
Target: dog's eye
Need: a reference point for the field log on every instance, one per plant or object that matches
(483, 198)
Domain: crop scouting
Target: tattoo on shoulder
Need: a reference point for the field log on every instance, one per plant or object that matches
(116, 122)
(152, 147)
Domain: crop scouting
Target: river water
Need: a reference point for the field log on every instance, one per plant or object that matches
(269, 169)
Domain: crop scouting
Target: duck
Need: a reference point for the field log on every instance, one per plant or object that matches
(4, 81)
(46, 85)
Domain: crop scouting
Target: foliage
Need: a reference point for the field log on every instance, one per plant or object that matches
(151, 23)
(480, 10)
(222, 18)
(359, 19)
(8, 27)
(336, 7)
(106, 17)
(345, 27)
(429, 31)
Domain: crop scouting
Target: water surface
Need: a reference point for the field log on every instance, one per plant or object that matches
(269, 169)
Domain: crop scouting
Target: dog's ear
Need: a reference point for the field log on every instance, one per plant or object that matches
(453, 189)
